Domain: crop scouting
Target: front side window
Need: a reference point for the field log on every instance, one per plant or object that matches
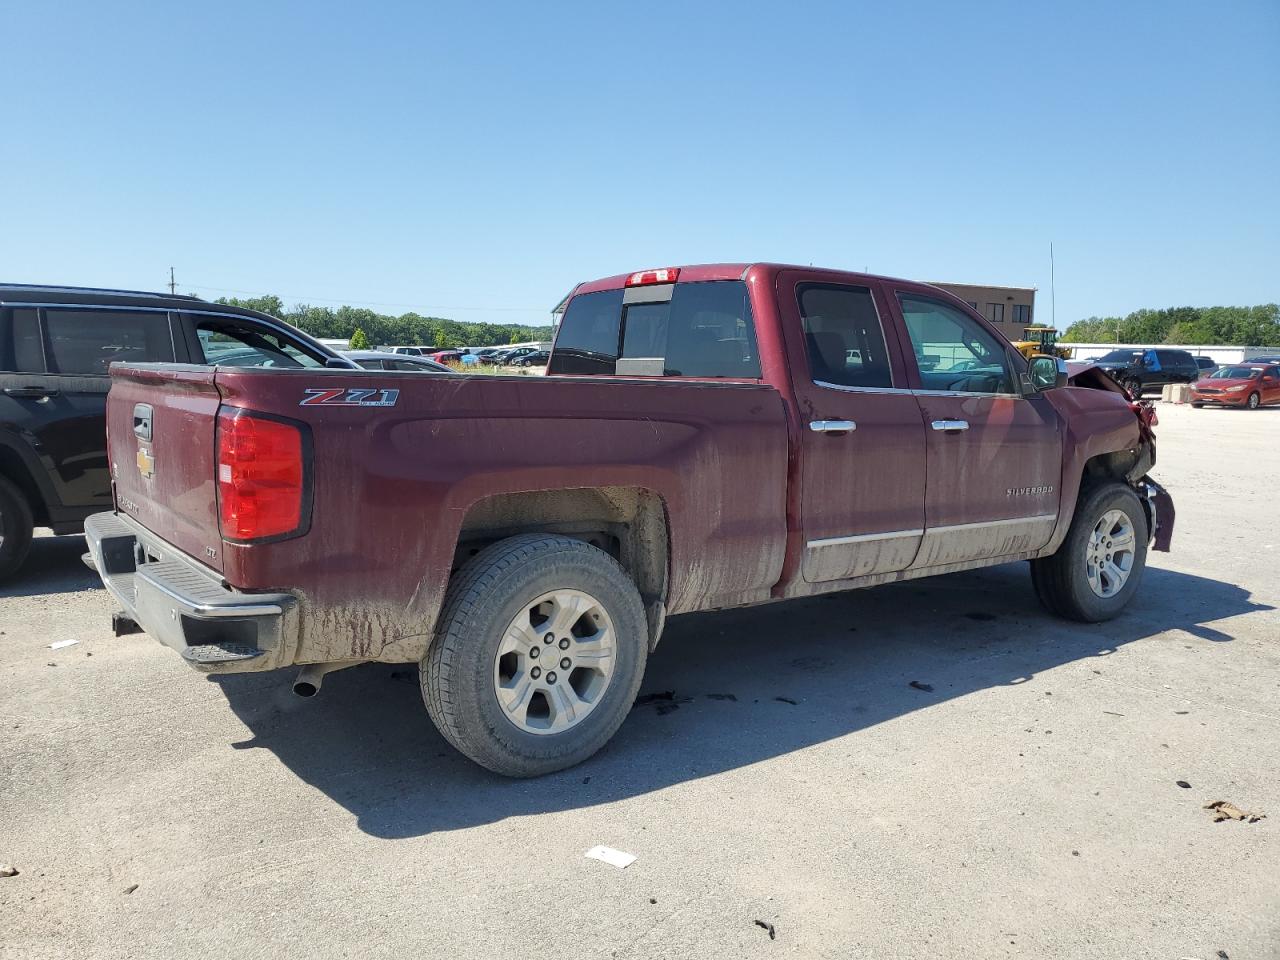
(86, 342)
(952, 351)
(701, 330)
(843, 337)
(20, 348)
(226, 343)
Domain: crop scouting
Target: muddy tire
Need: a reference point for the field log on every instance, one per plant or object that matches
(15, 528)
(538, 655)
(1099, 565)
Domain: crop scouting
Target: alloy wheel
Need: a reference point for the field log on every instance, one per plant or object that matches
(555, 662)
(1110, 553)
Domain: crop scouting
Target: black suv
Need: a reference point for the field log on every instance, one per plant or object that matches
(56, 344)
(1139, 370)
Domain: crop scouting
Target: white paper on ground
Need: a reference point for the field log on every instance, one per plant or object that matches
(609, 855)
(62, 643)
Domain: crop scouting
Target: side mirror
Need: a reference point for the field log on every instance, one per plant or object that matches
(1047, 373)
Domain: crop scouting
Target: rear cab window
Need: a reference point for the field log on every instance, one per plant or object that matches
(701, 330)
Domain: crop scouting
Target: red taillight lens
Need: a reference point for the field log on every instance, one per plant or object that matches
(646, 277)
(261, 477)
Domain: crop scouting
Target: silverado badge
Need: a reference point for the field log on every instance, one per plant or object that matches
(146, 463)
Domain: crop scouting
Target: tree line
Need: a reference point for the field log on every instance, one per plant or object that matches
(380, 329)
(1240, 326)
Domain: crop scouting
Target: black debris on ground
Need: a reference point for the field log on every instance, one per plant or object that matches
(130, 888)
(665, 701)
(764, 925)
(722, 696)
(1183, 784)
(794, 703)
(917, 685)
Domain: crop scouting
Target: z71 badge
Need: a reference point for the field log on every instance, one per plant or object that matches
(349, 397)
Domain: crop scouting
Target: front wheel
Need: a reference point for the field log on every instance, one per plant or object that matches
(1254, 401)
(1097, 568)
(1134, 386)
(538, 655)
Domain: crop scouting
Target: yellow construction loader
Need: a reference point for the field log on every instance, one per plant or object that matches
(1039, 339)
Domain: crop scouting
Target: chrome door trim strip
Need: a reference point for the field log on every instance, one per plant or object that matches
(914, 393)
(993, 523)
(864, 538)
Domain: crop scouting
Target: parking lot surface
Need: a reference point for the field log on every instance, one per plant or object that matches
(1021, 800)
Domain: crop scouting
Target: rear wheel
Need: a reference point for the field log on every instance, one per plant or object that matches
(538, 655)
(15, 528)
(1098, 567)
(1254, 401)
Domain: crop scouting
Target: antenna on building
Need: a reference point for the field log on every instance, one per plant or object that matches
(1053, 296)
(173, 285)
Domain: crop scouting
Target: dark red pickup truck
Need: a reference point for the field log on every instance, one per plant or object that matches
(706, 437)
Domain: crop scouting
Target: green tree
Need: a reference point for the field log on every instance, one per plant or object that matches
(358, 340)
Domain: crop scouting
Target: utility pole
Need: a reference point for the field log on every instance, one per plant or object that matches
(173, 286)
(1053, 295)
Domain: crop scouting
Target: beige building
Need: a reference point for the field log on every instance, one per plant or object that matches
(1009, 308)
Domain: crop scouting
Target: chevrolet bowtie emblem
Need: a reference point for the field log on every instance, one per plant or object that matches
(146, 463)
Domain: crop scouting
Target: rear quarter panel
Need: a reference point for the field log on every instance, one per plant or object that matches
(392, 486)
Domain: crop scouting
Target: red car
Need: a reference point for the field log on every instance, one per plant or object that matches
(1249, 385)
(446, 356)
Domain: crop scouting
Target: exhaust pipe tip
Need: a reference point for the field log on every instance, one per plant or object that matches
(304, 688)
(311, 676)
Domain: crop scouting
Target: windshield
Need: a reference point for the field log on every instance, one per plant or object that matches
(1234, 373)
(1120, 356)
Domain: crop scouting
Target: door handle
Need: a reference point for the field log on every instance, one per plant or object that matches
(33, 392)
(832, 426)
(950, 426)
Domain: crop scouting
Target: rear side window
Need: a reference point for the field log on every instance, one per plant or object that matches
(20, 349)
(692, 330)
(843, 337)
(86, 342)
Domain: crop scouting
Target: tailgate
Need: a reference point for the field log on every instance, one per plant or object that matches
(160, 435)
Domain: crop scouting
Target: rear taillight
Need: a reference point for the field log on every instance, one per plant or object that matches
(262, 473)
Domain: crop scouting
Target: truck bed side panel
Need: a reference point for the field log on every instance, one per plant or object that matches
(394, 484)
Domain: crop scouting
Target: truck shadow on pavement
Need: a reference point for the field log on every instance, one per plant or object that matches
(53, 566)
(744, 686)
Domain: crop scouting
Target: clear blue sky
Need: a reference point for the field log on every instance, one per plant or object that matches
(474, 156)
